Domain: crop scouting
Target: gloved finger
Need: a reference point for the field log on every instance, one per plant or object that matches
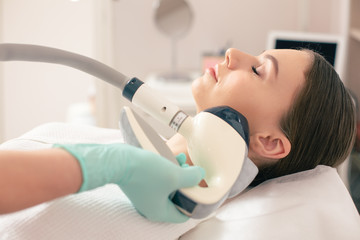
(174, 214)
(191, 176)
(181, 158)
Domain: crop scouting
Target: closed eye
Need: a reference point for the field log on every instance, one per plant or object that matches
(254, 70)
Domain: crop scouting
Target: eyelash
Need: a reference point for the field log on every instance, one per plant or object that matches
(254, 70)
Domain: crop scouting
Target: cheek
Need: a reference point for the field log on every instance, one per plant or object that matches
(235, 94)
(247, 100)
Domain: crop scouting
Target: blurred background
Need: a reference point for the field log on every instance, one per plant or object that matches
(125, 35)
(142, 38)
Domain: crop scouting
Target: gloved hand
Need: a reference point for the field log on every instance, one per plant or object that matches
(145, 177)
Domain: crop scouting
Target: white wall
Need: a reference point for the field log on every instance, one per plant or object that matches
(34, 93)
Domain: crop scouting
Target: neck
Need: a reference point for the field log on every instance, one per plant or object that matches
(177, 145)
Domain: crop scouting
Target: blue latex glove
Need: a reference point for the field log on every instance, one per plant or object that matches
(145, 177)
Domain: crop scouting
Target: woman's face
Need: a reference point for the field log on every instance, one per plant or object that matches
(260, 87)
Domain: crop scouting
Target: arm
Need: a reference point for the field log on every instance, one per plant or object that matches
(147, 179)
(28, 178)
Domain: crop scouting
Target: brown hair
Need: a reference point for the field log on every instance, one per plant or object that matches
(320, 125)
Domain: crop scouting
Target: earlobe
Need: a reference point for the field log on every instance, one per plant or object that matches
(273, 146)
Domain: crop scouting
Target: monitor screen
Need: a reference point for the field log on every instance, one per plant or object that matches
(326, 49)
(331, 46)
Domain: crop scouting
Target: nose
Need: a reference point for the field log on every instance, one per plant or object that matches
(234, 58)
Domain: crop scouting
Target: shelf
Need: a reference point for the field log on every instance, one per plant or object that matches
(355, 33)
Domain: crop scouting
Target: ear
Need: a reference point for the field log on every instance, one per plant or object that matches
(270, 145)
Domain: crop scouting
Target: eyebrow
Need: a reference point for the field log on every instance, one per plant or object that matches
(274, 61)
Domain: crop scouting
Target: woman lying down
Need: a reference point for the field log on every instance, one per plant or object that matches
(300, 115)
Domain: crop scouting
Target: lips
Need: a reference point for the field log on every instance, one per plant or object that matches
(212, 72)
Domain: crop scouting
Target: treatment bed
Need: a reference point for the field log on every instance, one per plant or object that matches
(314, 204)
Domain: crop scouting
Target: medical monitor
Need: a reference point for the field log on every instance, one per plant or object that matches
(332, 47)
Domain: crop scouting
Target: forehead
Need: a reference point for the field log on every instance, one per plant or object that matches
(286, 56)
(293, 65)
(290, 61)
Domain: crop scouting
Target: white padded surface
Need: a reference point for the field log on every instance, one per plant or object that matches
(314, 204)
(46, 135)
(309, 205)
